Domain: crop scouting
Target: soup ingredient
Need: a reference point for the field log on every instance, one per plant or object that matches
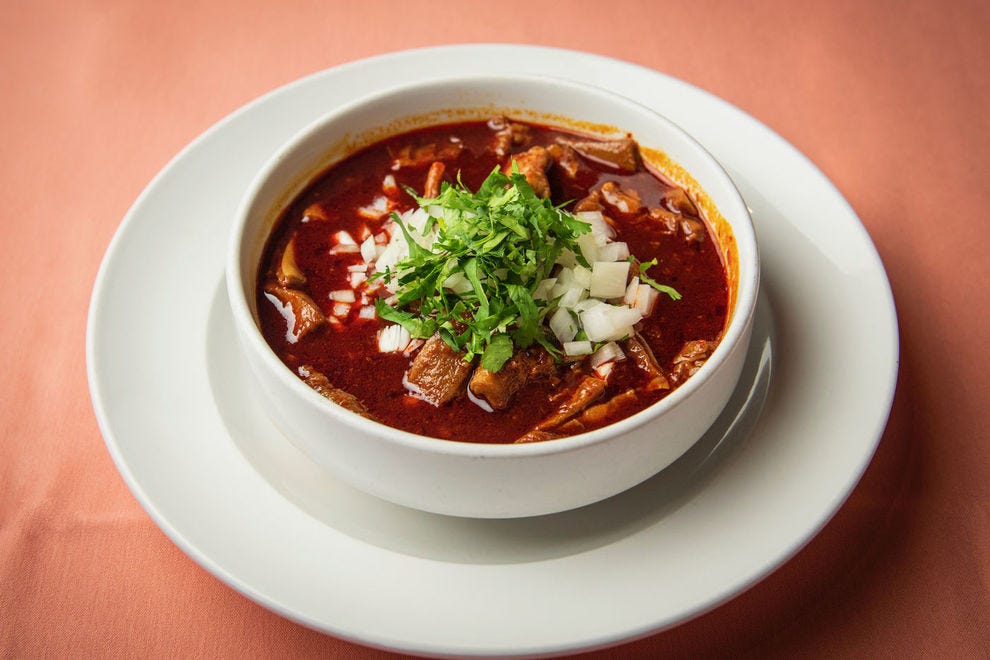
(503, 241)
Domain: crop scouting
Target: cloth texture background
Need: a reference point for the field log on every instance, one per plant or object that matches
(890, 99)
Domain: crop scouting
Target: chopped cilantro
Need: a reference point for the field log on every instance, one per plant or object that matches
(504, 240)
(646, 279)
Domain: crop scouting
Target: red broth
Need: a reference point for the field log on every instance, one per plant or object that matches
(345, 347)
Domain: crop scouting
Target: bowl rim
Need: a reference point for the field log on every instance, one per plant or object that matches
(734, 209)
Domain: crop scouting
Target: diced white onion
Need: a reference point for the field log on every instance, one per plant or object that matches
(363, 232)
(582, 277)
(599, 225)
(571, 297)
(366, 312)
(567, 258)
(393, 338)
(543, 289)
(604, 370)
(609, 352)
(343, 295)
(368, 249)
(613, 252)
(577, 347)
(357, 268)
(357, 279)
(587, 304)
(563, 325)
(589, 247)
(415, 219)
(345, 248)
(394, 252)
(375, 210)
(646, 299)
(341, 309)
(631, 292)
(609, 322)
(344, 238)
(388, 185)
(457, 282)
(608, 279)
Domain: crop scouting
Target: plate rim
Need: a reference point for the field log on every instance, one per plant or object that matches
(132, 217)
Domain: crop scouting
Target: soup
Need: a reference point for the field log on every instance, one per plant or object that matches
(494, 282)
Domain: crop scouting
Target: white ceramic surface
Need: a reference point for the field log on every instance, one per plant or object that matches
(251, 509)
(463, 478)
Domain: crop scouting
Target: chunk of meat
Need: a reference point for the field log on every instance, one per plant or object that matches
(598, 414)
(425, 154)
(678, 201)
(536, 436)
(625, 201)
(623, 154)
(642, 356)
(433, 179)
(498, 387)
(437, 373)
(508, 135)
(592, 202)
(533, 164)
(322, 384)
(566, 158)
(692, 229)
(690, 358)
(589, 389)
(316, 211)
(667, 221)
(306, 314)
(288, 273)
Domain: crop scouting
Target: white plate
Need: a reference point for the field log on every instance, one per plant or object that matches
(183, 429)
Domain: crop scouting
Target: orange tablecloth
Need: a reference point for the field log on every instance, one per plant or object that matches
(890, 99)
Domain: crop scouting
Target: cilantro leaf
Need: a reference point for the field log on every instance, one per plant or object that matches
(646, 279)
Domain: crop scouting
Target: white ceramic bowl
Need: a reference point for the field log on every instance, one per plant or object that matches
(480, 480)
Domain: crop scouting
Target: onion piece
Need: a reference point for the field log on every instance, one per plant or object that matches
(357, 279)
(609, 352)
(344, 238)
(571, 297)
(543, 289)
(577, 348)
(457, 282)
(563, 325)
(608, 279)
(613, 252)
(375, 210)
(589, 245)
(646, 299)
(393, 338)
(600, 228)
(582, 277)
(369, 250)
(609, 322)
